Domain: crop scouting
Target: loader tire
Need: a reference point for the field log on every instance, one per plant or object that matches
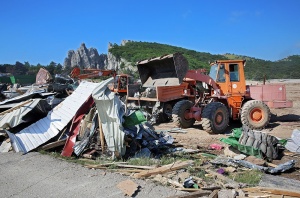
(215, 117)
(178, 114)
(166, 115)
(255, 114)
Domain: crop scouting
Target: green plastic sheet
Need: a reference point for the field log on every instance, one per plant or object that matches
(133, 119)
(233, 140)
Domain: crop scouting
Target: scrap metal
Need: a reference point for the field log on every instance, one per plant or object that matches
(43, 130)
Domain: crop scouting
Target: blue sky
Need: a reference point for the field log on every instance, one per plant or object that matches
(40, 31)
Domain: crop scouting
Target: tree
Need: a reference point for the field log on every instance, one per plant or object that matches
(58, 69)
(20, 69)
(51, 67)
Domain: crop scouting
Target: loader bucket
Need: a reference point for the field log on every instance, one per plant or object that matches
(168, 70)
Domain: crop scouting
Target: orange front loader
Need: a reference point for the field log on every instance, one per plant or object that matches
(211, 99)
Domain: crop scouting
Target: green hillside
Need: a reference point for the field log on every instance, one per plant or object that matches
(255, 68)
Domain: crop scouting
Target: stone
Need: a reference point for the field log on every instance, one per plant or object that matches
(227, 193)
(255, 160)
(231, 152)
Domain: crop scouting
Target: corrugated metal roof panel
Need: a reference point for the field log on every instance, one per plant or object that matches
(16, 116)
(48, 127)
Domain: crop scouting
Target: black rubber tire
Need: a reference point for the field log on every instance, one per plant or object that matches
(167, 111)
(178, 112)
(210, 114)
(249, 108)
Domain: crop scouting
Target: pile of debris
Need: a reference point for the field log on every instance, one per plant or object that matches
(88, 120)
(91, 121)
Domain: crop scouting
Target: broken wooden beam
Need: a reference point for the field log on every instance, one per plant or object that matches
(120, 165)
(195, 194)
(273, 191)
(164, 169)
(53, 145)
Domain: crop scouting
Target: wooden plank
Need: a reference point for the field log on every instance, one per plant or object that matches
(211, 188)
(134, 166)
(164, 169)
(196, 194)
(102, 141)
(104, 165)
(277, 191)
(126, 170)
(214, 194)
(119, 164)
(53, 145)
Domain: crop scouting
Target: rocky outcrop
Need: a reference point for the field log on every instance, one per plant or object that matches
(85, 58)
(89, 58)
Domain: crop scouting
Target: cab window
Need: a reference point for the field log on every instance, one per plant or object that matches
(234, 72)
(221, 73)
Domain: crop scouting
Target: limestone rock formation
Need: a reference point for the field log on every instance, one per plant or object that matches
(89, 58)
(84, 58)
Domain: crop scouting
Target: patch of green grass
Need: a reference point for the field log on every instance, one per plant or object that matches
(196, 172)
(143, 161)
(251, 177)
(113, 166)
(59, 156)
(164, 160)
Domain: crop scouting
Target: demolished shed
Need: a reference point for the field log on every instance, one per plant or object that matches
(48, 127)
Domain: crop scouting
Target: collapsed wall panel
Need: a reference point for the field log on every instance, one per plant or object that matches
(48, 127)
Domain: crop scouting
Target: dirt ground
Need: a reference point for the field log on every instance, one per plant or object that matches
(283, 122)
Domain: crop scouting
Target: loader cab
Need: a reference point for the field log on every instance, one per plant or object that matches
(229, 75)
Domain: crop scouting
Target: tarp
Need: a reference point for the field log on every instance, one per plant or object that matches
(43, 130)
(110, 110)
(293, 143)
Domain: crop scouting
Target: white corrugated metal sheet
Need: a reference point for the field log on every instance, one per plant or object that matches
(15, 117)
(48, 127)
(111, 111)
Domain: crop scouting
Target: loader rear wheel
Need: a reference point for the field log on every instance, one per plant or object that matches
(166, 115)
(255, 114)
(179, 114)
(215, 117)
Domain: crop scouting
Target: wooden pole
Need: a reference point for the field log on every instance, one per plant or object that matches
(101, 134)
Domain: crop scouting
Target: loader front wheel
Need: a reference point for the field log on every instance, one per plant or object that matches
(215, 117)
(179, 114)
(255, 114)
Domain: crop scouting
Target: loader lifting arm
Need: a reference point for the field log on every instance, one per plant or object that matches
(199, 76)
(91, 73)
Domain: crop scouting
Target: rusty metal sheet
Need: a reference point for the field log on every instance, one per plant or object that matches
(270, 92)
(280, 104)
(274, 95)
